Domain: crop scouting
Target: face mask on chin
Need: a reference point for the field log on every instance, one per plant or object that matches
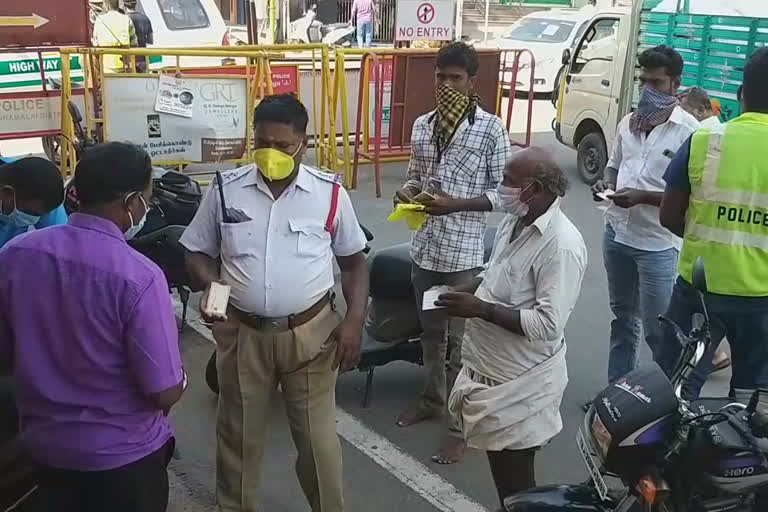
(273, 164)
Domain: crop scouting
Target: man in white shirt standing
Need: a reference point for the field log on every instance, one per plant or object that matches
(463, 149)
(271, 231)
(507, 397)
(640, 255)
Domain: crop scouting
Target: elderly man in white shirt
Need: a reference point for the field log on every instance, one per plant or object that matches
(507, 396)
(697, 102)
(640, 255)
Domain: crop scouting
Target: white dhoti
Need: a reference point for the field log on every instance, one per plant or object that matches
(521, 413)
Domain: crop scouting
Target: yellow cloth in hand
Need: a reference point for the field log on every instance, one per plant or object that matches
(413, 215)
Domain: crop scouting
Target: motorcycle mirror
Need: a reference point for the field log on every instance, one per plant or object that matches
(699, 276)
(77, 117)
(566, 59)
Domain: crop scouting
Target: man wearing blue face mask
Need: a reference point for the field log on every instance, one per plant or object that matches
(640, 255)
(31, 195)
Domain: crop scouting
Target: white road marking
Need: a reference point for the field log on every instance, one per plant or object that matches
(430, 486)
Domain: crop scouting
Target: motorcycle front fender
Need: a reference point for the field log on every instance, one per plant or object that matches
(556, 498)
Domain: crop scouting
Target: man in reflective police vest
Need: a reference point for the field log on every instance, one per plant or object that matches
(114, 28)
(717, 199)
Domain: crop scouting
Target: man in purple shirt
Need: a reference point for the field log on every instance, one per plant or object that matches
(88, 331)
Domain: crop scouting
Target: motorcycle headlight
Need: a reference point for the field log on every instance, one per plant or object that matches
(601, 435)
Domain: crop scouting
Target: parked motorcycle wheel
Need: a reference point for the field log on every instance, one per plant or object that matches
(52, 148)
(211, 375)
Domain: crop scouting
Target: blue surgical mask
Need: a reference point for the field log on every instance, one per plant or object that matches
(18, 218)
(135, 228)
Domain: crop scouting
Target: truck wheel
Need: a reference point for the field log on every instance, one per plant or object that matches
(211, 375)
(592, 157)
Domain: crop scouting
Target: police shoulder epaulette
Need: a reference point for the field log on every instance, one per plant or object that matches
(325, 176)
(235, 174)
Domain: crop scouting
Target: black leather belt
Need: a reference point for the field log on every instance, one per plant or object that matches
(283, 323)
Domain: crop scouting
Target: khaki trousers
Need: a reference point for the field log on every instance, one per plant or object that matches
(250, 364)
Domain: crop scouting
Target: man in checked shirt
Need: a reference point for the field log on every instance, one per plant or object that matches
(465, 149)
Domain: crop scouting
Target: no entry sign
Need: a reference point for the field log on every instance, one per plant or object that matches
(425, 20)
(33, 23)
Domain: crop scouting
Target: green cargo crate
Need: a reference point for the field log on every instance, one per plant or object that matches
(714, 48)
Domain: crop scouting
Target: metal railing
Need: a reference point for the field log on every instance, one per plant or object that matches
(384, 22)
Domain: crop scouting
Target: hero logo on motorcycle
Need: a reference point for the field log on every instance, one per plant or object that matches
(736, 472)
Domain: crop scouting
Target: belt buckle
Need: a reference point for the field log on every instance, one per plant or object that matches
(275, 323)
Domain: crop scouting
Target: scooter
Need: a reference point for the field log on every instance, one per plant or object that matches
(175, 200)
(392, 331)
(308, 29)
(52, 143)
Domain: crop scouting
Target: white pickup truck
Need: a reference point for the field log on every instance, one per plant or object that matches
(599, 83)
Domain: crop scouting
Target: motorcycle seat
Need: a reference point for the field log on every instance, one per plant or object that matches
(369, 344)
(375, 353)
(390, 271)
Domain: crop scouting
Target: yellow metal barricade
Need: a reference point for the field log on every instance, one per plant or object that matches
(254, 64)
(402, 81)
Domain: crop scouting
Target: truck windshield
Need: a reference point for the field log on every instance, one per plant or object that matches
(541, 30)
(183, 14)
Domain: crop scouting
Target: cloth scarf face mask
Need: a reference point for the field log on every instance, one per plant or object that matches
(654, 109)
(452, 107)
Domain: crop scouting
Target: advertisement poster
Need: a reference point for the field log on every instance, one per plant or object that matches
(385, 74)
(174, 96)
(215, 131)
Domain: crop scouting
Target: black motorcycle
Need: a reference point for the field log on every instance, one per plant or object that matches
(670, 455)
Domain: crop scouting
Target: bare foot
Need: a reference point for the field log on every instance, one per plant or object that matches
(451, 451)
(416, 413)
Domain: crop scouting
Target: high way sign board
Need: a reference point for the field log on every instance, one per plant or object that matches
(35, 23)
(425, 20)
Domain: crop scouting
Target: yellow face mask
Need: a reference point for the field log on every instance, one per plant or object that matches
(273, 163)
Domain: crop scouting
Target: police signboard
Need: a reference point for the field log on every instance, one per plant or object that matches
(34, 23)
(425, 20)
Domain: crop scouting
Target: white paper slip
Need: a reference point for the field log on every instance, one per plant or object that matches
(174, 96)
(605, 195)
(218, 298)
(430, 296)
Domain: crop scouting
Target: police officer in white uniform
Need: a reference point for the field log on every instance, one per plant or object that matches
(273, 239)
